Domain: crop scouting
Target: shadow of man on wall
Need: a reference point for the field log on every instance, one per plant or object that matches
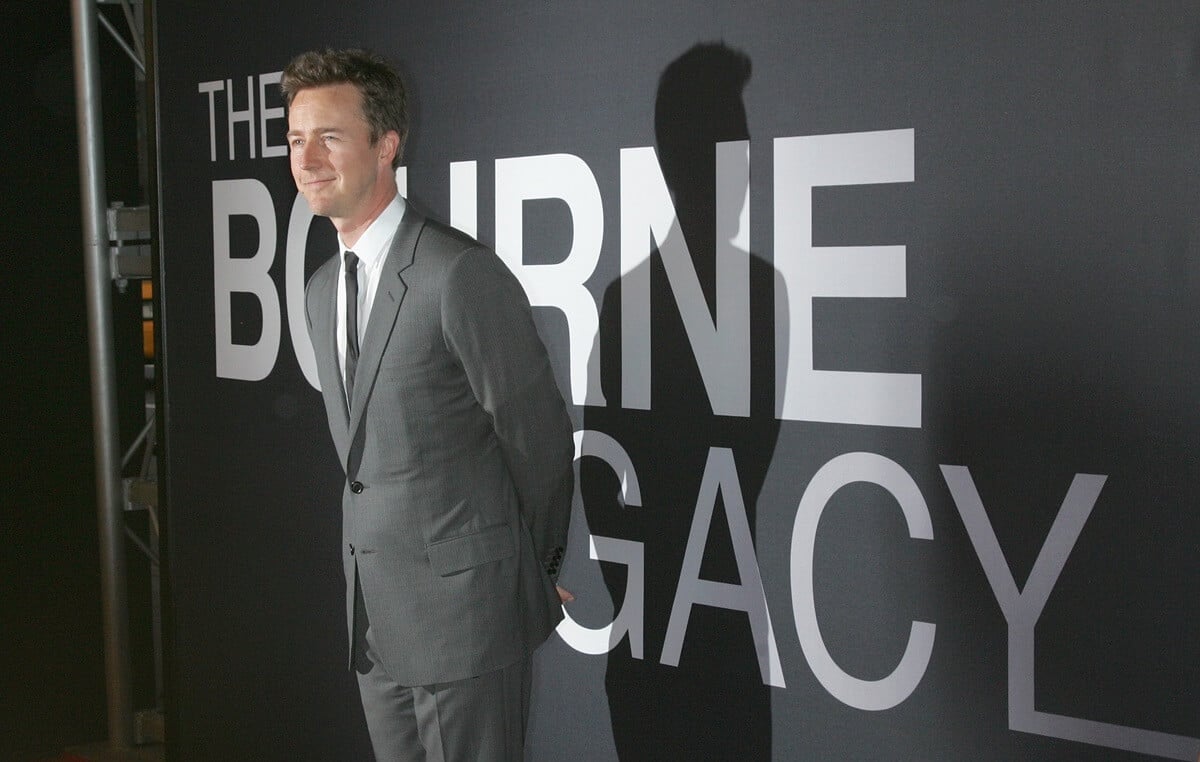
(714, 704)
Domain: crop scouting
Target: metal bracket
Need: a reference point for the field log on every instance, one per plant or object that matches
(129, 234)
(140, 494)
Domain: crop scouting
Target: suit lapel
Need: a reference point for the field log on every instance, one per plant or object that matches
(388, 296)
(324, 294)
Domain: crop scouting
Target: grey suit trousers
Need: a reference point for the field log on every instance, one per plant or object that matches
(478, 718)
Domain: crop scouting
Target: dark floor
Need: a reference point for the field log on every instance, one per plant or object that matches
(101, 752)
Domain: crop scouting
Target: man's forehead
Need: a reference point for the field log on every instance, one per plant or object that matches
(333, 104)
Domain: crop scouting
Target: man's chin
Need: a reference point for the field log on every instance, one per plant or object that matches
(320, 207)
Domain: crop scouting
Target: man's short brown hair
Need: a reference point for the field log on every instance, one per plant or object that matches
(384, 101)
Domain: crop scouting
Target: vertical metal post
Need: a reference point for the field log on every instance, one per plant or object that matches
(104, 401)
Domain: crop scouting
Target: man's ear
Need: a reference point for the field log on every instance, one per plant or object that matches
(389, 144)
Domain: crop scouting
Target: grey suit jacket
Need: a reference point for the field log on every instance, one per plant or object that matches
(458, 458)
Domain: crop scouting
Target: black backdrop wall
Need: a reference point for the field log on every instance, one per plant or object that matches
(878, 322)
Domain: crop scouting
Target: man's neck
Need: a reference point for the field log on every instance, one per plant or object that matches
(351, 230)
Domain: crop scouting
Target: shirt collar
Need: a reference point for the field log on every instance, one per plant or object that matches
(373, 244)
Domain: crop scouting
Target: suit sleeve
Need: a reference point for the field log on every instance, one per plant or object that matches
(488, 323)
(308, 308)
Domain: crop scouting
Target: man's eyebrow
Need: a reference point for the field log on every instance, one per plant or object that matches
(319, 130)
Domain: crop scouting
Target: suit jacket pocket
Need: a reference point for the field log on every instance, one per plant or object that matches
(461, 553)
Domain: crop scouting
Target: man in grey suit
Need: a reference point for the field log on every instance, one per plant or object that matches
(445, 414)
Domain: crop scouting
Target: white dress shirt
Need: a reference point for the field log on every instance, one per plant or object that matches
(371, 250)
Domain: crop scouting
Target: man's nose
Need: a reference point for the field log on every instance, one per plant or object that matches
(307, 155)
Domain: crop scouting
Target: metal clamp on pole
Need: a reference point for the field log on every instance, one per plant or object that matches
(129, 234)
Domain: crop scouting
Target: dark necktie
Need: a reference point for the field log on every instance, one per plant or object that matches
(351, 322)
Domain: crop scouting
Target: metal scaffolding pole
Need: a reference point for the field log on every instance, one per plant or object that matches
(104, 401)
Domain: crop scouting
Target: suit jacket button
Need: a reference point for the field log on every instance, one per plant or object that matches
(356, 487)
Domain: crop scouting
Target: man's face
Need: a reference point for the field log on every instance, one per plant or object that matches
(336, 167)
